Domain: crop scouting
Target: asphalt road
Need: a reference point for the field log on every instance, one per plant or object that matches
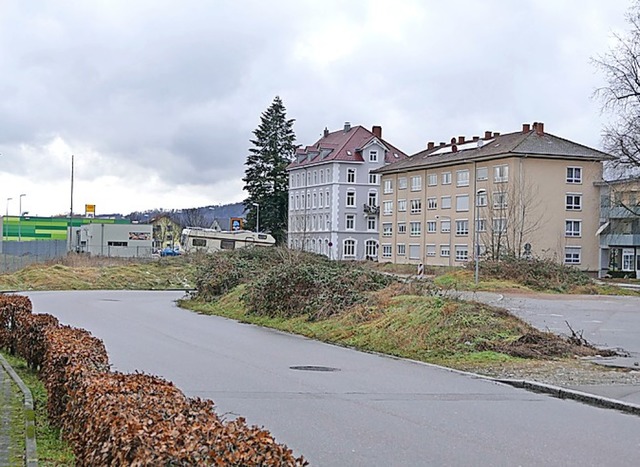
(372, 411)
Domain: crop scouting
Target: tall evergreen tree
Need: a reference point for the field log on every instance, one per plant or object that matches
(265, 175)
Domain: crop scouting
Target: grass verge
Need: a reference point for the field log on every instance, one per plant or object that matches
(425, 328)
(52, 450)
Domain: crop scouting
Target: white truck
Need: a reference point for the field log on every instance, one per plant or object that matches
(210, 240)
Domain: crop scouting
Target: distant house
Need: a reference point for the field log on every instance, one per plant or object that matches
(527, 193)
(334, 194)
(619, 232)
(166, 231)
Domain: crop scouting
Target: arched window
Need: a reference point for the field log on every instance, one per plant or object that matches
(349, 248)
(371, 249)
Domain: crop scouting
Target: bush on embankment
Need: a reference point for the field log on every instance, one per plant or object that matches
(126, 419)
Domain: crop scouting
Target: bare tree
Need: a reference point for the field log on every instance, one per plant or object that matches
(193, 217)
(621, 95)
(509, 219)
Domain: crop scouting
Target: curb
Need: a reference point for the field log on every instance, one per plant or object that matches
(563, 393)
(29, 415)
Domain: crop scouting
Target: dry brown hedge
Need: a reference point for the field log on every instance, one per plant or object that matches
(113, 418)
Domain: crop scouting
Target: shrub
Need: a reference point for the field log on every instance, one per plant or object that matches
(317, 289)
(538, 274)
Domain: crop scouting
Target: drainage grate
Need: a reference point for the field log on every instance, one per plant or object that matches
(313, 368)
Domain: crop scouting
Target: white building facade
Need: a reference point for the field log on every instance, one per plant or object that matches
(334, 196)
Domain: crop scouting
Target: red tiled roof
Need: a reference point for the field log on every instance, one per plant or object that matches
(344, 145)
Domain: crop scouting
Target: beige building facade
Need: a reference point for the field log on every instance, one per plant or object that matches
(526, 193)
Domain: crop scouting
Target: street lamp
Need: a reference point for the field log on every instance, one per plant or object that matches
(257, 205)
(20, 218)
(450, 235)
(4, 224)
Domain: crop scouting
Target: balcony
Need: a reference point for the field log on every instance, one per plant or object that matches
(621, 240)
(371, 210)
(620, 212)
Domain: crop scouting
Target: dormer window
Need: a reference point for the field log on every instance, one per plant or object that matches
(373, 156)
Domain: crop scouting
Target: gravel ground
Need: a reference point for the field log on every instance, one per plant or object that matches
(563, 373)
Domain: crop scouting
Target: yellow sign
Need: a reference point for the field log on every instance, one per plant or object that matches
(90, 209)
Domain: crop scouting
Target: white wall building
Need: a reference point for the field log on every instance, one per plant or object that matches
(123, 240)
(333, 196)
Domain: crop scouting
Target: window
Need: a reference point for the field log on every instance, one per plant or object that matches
(351, 198)
(327, 198)
(573, 202)
(373, 179)
(445, 202)
(315, 199)
(371, 223)
(432, 179)
(627, 259)
(501, 173)
(414, 251)
(351, 175)
(227, 244)
(402, 205)
(401, 249)
(415, 229)
(387, 208)
(328, 175)
(371, 249)
(445, 251)
(462, 203)
(320, 199)
(350, 222)
(499, 225)
(199, 242)
(573, 228)
(445, 226)
(499, 200)
(387, 229)
(402, 228)
(308, 205)
(372, 198)
(373, 156)
(574, 174)
(387, 251)
(446, 178)
(481, 198)
(297, 180)
(462, 253)
(308, 178)
(462, 227)
(322, 176)
(315, 177)
(349, 248)
(462, 178)
(388, 186)
(430, 250)
(416, 183)
(481, 225)
(572, 255)
(482, 173)
(402, 183)
(431, 226)
(432, 203)
(416, 206)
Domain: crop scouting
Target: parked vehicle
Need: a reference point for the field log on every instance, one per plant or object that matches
(210, 240)
(168, 251)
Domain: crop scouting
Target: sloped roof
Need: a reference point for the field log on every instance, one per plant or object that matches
(533, 143)
(343, 145)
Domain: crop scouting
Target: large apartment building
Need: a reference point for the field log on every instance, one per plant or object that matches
(527, 193)
(619, 232)
(334, 194)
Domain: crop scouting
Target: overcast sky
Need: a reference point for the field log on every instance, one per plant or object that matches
(158, 99)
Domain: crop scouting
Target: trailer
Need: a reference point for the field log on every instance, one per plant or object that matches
(210, 240)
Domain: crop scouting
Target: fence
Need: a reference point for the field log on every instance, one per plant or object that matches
(17, 255)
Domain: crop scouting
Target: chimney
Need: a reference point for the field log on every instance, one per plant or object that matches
(347, 127)
(454, 148)
(377, 131)
(487, 135)
(476, 138)
(460, 139)
(540, 129)
(431, 145)
(442, 144)
(526, 128)
(326, 131)
(453, 141)
(496, 134)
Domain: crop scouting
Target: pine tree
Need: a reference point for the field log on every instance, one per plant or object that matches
(266, 178)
